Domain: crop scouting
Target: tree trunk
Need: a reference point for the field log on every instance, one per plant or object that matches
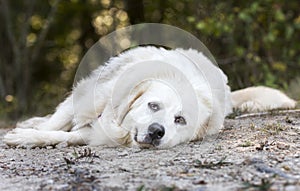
(23, 56)
(135, 10)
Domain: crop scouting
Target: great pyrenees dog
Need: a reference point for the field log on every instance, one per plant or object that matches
(146, 97)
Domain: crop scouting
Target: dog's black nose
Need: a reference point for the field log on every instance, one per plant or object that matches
(156, 131)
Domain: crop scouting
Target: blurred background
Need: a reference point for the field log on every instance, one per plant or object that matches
(42, 42)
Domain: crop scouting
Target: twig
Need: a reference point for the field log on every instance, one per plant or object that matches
(25, 26)
(266, 113)
(41, 37)
(7, 17)
(211, 165)
(230, 60)
(2, 88)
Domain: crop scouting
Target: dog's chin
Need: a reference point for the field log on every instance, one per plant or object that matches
(146, 143)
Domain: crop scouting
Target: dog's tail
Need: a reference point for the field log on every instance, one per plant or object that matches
(261, 98)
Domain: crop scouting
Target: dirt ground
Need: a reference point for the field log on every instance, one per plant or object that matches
(250, 153)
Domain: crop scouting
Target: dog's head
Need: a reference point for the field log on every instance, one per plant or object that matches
(163, 98)
(156, 115)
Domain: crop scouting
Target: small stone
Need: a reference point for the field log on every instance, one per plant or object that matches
(49, 147)
(286, 167)
(123, 154)
(199, 182)
(62, 145)
(291, 188)
(50, 181)
(95, 171)
(282, 146)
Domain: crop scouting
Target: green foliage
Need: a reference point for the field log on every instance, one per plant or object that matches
(261, 37)
(254, 42)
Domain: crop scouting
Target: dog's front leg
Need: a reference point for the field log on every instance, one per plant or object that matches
(37, 138)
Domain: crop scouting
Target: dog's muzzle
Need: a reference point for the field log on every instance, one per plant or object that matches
(154, 134)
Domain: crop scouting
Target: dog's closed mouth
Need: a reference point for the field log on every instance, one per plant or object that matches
(147, 142)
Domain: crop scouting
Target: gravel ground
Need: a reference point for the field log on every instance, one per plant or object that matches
(250, 153)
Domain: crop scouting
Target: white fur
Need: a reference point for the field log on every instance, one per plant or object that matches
(183, 82)
(260, 98)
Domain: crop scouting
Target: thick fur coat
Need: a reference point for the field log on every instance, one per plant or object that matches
(146, 97)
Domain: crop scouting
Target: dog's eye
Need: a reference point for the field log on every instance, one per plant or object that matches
(179, 120)
(153, 106)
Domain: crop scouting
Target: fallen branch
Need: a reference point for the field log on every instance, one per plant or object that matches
(266, 113)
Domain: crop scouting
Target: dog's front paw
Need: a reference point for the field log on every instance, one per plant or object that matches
(18, 136)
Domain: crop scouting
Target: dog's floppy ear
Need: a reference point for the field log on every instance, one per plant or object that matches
(124, 105)
(133, 82)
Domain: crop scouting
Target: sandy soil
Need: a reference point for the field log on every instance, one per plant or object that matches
(254, 153)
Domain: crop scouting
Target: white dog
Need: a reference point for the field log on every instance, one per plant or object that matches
(145, 97)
